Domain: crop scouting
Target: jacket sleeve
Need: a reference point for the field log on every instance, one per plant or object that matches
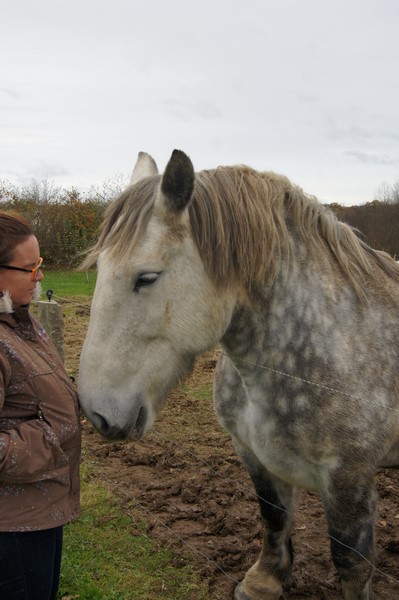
(28, 449)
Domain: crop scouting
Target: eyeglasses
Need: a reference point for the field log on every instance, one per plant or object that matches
(33, 271)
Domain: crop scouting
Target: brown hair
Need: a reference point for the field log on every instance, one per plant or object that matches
(14, 229)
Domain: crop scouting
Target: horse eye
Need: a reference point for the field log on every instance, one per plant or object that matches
(145, 279)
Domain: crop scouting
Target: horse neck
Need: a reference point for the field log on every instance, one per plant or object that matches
(302, 294)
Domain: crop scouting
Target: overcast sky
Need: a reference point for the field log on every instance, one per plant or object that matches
(307, 88)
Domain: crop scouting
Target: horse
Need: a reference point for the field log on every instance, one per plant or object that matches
(306, 315)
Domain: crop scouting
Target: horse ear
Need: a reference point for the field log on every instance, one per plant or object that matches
(178, 181)
(145, 167)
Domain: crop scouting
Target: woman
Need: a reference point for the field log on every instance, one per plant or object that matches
(39, 429)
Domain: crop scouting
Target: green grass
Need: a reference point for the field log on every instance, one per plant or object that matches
(201, 392)
(108, 556)
(69, 283)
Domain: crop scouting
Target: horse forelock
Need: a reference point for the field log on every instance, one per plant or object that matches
(125, 221)
(242, 222)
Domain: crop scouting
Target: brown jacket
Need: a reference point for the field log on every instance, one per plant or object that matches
(39, 428)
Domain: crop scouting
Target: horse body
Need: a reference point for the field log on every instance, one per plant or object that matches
(307, 384)
(344, 350)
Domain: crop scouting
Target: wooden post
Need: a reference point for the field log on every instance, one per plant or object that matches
(50, 316)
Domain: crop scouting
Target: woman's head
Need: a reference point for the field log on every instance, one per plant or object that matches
(19, 255)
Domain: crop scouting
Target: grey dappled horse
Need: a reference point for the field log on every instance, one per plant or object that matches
(307, 317)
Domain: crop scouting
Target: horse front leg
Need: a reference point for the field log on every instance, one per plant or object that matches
(350, 507)
(265, 579)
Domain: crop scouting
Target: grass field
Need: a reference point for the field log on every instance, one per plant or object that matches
(69, 283)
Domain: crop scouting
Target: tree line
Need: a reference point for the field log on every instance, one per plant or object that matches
(377, 221)
(67, 222)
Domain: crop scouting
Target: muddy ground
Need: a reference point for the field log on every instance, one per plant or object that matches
(199, 500)
(191, 488)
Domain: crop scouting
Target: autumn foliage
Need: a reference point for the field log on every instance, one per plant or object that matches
(65, 222)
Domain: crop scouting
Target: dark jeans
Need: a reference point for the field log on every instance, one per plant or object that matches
(30, 564)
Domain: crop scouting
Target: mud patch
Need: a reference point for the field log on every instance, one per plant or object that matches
(198, 499)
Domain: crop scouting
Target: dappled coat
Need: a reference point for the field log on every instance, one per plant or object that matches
(39, 427)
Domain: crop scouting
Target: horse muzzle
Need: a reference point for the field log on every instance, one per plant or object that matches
(132, 429)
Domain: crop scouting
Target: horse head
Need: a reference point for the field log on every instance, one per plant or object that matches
(154, 307)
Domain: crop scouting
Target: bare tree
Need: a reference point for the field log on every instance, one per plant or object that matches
(110, 189)
(388, 193)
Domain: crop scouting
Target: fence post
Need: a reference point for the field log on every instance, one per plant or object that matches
(50, 316)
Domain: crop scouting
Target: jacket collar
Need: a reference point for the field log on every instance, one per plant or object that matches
(5, 303)
(13, 317)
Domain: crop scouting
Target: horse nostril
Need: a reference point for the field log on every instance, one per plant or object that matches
(117, 432)
(141, 419)
(112, 432)
(101, 424)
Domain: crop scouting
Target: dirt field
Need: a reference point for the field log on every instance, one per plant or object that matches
(198, 499)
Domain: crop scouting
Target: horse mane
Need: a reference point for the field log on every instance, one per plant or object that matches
(243, 222)
(125, 221)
